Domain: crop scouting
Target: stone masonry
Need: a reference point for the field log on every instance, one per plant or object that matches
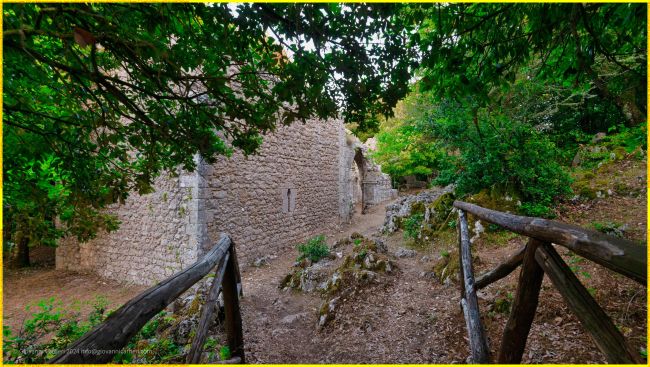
(300, 184)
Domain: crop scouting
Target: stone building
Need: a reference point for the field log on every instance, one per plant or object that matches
(307, 179)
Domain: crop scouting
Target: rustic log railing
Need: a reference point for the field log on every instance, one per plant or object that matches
(538, 257)
(107, 339)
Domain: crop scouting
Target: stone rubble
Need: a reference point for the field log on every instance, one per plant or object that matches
(402, 208)
(403, 252)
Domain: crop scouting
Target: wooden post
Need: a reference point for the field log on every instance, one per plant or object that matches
(194, 356)
(233, 251)
(523, 310)
(601, 328)
(469, 304)
(461, 276)
(233, 320)
(502, 270)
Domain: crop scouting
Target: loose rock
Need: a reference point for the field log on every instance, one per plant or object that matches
(403, 252)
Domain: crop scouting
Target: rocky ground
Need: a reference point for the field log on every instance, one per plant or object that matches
(413, 316)
(411, 313)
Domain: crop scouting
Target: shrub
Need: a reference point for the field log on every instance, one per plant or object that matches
(504, 154)
(224, 353)
(610, 228)
(412, 226)
(315, 249)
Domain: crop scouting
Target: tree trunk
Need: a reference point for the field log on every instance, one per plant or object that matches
(19, 257)
(630, 110)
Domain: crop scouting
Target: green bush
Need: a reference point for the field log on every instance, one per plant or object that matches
(315, 249)
(499, 152)
(412, 226)
(224, 353)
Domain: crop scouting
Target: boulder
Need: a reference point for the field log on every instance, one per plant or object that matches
(403, 252)
(412, 204)
(182, 333)
(314, 277)
(327, 311)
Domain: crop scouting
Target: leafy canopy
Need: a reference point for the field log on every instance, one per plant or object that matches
(477, 49)
(99, 99)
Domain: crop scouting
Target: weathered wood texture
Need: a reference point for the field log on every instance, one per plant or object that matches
(104, 341)
(515, 334)
(502, 270)
(623, 256)
(469, 302)
(461, 275)
(601, 328)
(233, 322)
(194, 356)
(235, 360)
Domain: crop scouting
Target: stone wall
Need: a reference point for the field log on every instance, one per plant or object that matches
(283, 195)
(266, 202)
(375, 185)
(301, 183)
(156, 237)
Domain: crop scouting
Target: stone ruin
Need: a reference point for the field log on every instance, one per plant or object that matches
(307, 179)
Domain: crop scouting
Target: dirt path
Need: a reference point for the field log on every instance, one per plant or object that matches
(414, 319)
(395, 322)
(407, 318)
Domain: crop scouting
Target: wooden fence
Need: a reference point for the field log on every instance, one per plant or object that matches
(107, 339)
(538, 257)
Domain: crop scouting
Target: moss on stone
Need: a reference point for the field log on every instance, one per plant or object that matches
(357, 266)
(497, 198)
(447, 267)
(440, 209)
(619, 153)
(418, 207)
(293, 279)
(398, 222)
(586, 192)
(195, 307)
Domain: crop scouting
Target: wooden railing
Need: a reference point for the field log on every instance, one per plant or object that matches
(538, 257)
(107, 339)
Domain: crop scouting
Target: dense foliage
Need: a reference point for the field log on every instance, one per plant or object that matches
(512, 93)
(99, 99)
(476, 50)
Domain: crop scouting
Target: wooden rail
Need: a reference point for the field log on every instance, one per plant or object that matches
(537, 258)
(617, 254)
(107, 339)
